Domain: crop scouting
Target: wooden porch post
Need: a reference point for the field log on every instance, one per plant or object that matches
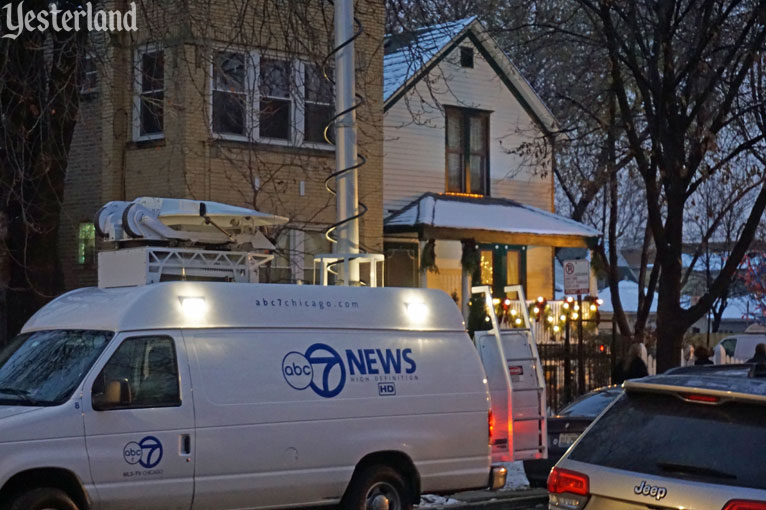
(423, 271)
(465, 292)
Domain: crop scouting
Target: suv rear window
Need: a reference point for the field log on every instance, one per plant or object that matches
(665, 436)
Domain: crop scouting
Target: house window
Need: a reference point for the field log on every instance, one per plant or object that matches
(269, 99)
(467, 151)
(150, 94)
(229, 94)
(319, 102)
(86, 244)
(275, 116)
(466, 57)
(88, 75)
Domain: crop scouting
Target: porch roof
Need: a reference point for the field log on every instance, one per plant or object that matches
(487, 219)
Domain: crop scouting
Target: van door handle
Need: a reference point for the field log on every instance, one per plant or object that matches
(185, 444)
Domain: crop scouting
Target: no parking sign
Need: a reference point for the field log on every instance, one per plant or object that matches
(576, 276)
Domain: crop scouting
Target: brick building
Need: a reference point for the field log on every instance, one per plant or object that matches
(226, 101)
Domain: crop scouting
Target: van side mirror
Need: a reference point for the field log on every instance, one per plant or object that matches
(116, 395)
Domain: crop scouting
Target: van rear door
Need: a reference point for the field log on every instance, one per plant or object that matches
(527, 394)
(516, 385)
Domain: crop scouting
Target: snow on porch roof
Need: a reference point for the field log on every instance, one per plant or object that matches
(491, 218)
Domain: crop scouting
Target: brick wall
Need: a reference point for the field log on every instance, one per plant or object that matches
(106, 164)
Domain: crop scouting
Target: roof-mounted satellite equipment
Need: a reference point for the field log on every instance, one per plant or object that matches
(160, 239)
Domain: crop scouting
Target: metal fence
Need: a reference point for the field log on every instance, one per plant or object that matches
(570, 373)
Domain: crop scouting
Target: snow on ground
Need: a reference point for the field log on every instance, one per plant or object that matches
(517, 478)
(432, 500)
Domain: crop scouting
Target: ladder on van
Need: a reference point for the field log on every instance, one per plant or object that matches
(515, 379)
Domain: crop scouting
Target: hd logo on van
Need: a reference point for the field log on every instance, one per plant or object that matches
(326, 372)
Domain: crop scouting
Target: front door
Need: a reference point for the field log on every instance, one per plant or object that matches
(502, 265)
(139, 424)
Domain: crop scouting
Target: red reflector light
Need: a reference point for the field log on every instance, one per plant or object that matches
(707, 399)
(739, 504)
(563, 480)
(490, 425)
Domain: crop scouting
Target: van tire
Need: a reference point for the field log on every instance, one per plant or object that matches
(44, 498)
(377, 480)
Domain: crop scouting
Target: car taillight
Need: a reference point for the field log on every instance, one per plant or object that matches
(490, 424)
(739, 504)
(568, 490)
(563, 480)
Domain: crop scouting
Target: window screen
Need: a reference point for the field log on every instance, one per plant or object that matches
(319, 101)
(276, 103)
(151, 93)
(229, 94)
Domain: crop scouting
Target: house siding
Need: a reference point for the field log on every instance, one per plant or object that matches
(414, 136)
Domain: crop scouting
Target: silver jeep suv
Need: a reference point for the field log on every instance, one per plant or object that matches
(692, 440)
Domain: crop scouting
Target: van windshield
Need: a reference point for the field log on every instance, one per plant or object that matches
(44, 368)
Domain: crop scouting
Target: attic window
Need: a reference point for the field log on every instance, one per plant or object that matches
(466, 57)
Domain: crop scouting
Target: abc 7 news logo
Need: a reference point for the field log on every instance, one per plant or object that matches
(320, 368)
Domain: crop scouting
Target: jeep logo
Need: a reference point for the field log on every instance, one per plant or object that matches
(649, 490)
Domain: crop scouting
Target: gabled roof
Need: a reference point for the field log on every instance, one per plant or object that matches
(458, 216)
(407, 53)
(410, 56)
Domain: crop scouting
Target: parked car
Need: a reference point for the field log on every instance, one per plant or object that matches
(565, 427)
(742, 346)
(693, 439)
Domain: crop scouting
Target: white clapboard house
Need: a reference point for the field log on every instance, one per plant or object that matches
(458, 116)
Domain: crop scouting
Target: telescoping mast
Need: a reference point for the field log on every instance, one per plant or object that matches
(347, 259)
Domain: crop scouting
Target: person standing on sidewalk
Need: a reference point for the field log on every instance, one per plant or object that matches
(760, 354)
(633, 367)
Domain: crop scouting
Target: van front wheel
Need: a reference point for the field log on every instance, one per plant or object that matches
(378, 488)
(43, 499)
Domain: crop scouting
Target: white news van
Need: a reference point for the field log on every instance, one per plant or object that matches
(184, 395)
